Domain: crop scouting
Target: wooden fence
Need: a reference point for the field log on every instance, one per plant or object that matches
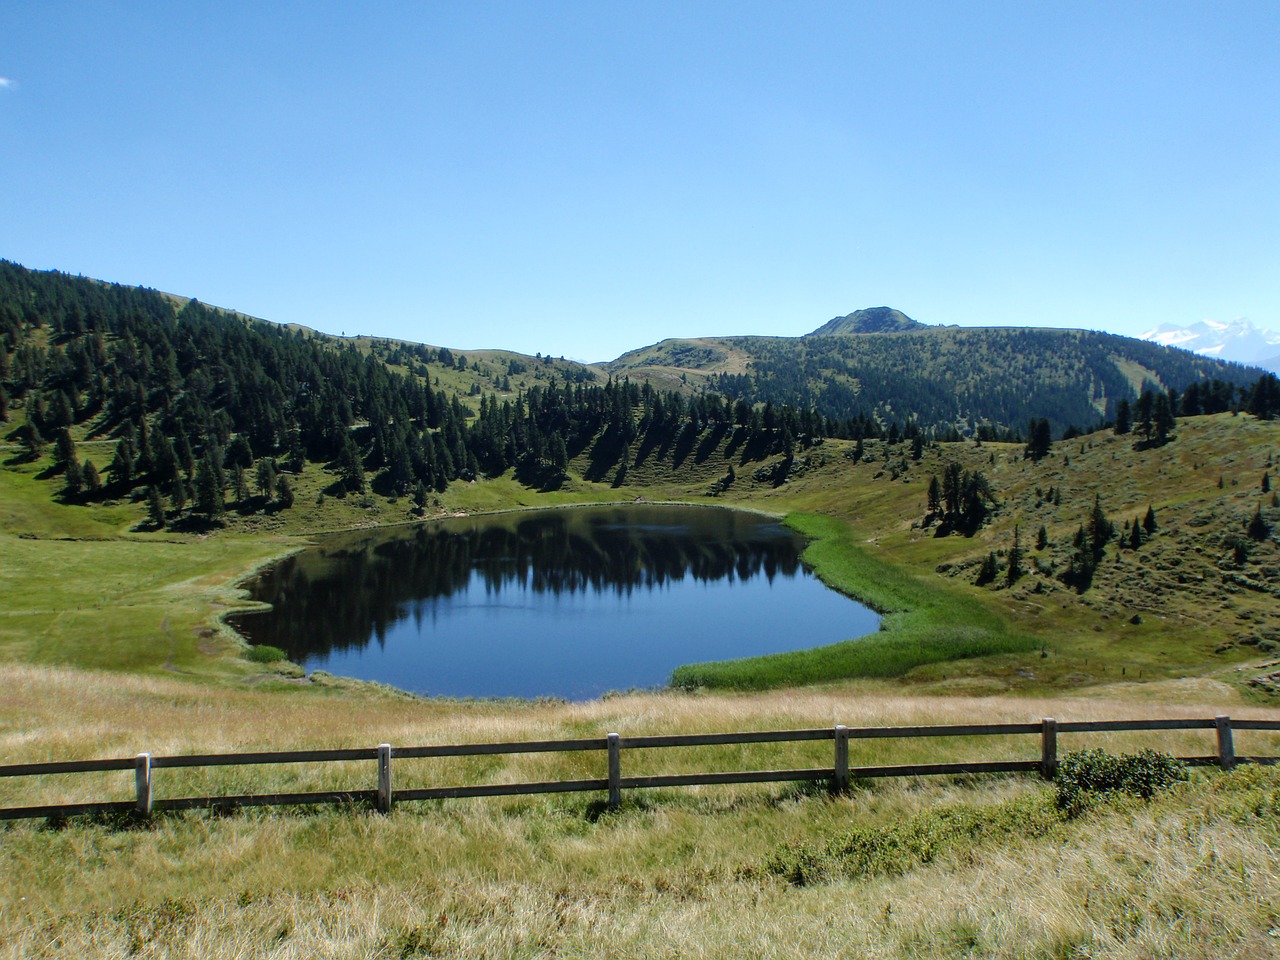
(383, 796)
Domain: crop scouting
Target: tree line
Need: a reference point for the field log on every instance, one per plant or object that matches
(202, 403)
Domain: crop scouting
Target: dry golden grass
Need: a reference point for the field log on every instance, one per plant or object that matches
(1178, 877)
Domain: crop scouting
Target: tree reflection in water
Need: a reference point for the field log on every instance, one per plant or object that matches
(331, 603)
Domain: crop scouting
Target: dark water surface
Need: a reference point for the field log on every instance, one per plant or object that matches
(567, 603)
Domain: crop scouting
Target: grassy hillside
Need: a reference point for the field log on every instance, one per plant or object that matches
(935, 376)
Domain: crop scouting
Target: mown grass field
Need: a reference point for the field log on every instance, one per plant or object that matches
(110, 644)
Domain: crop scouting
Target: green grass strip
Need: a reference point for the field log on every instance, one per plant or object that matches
(920, 623)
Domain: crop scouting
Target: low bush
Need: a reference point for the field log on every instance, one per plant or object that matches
(892, 850)
(265, 653)
(1084, 774)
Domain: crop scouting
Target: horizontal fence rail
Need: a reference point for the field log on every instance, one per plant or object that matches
(839, 775)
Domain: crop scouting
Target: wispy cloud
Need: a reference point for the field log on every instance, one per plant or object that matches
(6, 83)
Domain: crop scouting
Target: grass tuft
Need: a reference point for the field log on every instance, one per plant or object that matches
(922, 623)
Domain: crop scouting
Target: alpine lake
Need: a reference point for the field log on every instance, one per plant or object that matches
(570, 603)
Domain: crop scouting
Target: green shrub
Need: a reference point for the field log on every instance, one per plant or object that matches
(265, 653)
(1084, 774)
(869, 851)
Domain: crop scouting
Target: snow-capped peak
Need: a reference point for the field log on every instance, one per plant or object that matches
(1239, 341)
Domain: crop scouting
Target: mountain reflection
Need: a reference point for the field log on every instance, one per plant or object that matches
(349, 591)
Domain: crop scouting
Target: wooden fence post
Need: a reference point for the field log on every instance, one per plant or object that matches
(384, 777)
(840, 775)
(1048, 747)
(1226, 744)
(615, 771)
(142, 784)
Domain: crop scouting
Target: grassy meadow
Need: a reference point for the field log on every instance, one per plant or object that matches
(681, 872)
(111, 644)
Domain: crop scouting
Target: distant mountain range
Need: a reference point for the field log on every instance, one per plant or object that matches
(1239, 341)
(868, 370)
(879, 364)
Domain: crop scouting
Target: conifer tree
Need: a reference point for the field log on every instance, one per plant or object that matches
(266, 478)
(92, 481)
(64, 448)
(1039, 439)
(934, 503)
(1015, 560)
(1124, 415)
(155, 507)
(1042, 538)
(1258, 527)
(73, 479)
(350, 467)
(209, 499)
(1149, 521)
(178, 494)
(987, 572)
(284, 492)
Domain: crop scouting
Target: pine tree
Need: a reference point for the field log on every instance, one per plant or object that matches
(1149, 521)
(1266, 482)
(74, 479)
(1039, 440)
(121, 466)
(1124, 415)
(987, 572)
(1042, 538)
(209, 499)
(266, 471)
(33, 442)
(64, 448)
(1015, 560)
(92, 481)
(1258, 528)
(284, 492)
(350, 467)
(239, 484)
(178, 493)
(1163, 421)
(155, 507)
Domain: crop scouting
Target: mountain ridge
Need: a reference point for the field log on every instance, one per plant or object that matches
(868, 320)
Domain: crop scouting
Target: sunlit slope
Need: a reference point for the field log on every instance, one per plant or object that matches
(934, 375)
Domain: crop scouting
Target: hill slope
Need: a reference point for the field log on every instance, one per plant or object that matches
(948, 377)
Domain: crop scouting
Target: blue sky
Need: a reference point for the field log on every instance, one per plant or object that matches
(580, 179)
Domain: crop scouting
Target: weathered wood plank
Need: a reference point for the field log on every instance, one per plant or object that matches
(720, 739)
(519, 746)
(274, 756)
(1256, 724)
(268, 800)
(65, 766)
(1117, 726)
(945, 730)
(936, 769)
(61, 811)
(739, 776)
(499, 790)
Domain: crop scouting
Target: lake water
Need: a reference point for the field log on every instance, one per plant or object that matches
(567, 603)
